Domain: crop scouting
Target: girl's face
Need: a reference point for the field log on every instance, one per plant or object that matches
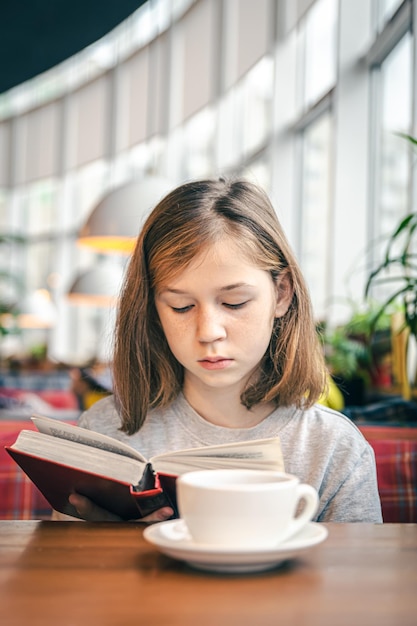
(217, 316)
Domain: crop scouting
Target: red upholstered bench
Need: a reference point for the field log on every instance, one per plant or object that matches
(19, 498)
(20, 404)
(396, 461)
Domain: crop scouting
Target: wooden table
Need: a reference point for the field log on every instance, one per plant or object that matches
(70, 573)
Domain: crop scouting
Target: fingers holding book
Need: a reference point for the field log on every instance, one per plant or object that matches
(91, 512)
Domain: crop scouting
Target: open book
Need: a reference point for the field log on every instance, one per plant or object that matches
(61, 459)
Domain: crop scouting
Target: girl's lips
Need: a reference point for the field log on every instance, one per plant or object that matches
(215, 364)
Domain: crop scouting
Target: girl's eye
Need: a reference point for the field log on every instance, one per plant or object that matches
(239, 305)
(182, 309)
(185, 309)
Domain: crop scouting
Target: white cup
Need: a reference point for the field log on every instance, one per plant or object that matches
(244, 509)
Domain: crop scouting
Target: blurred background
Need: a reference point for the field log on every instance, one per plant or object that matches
(103, 108)
(106, 105)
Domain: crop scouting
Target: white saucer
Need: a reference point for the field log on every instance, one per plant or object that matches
(173, 539)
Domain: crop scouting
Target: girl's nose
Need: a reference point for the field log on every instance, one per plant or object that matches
(210, 326)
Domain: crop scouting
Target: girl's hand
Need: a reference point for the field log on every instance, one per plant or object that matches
(93, 513)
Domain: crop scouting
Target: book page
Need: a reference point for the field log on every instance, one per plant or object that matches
(256, 454)
(67, 452)
(59, 429)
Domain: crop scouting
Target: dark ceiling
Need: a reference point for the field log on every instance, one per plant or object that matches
(35, 35)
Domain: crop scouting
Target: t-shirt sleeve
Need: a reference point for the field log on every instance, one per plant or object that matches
(356, 498)
(325, 449)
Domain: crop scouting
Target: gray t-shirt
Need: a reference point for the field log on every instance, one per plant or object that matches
(320, 446)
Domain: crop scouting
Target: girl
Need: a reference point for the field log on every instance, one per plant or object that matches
(215, 342)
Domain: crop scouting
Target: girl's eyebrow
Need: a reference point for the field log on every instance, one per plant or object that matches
(236, 286)
(225, 288)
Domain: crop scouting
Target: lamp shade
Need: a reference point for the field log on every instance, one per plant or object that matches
(115, 221)
(37, 310)
(98, 286)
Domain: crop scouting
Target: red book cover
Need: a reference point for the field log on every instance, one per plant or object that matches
(57, 481)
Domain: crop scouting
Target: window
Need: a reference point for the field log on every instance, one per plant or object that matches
(392, 189)
(320, 50)
(386, 9)
(230, 123)
(315, 222)
(41, 208)
(198, 145)
(257, 92)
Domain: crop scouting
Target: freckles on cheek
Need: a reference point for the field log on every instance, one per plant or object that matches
(173, 328)
(263, 321)
(258, 328)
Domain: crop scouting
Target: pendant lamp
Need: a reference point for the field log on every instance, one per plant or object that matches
(98, 286)
(116, 220)
(36, 310)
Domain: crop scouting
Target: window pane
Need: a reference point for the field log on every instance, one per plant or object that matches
(394, 168)
(40, 258)
(4, 217)
(41, 208)
(315, 211)
(257, 92)
(230, 123)
(320, 50)
(198, 145)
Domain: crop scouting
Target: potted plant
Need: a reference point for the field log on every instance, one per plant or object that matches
(355, 352)
(396, 275)
(397, 272)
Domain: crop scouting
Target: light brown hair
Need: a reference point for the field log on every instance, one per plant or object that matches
(196, 214)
